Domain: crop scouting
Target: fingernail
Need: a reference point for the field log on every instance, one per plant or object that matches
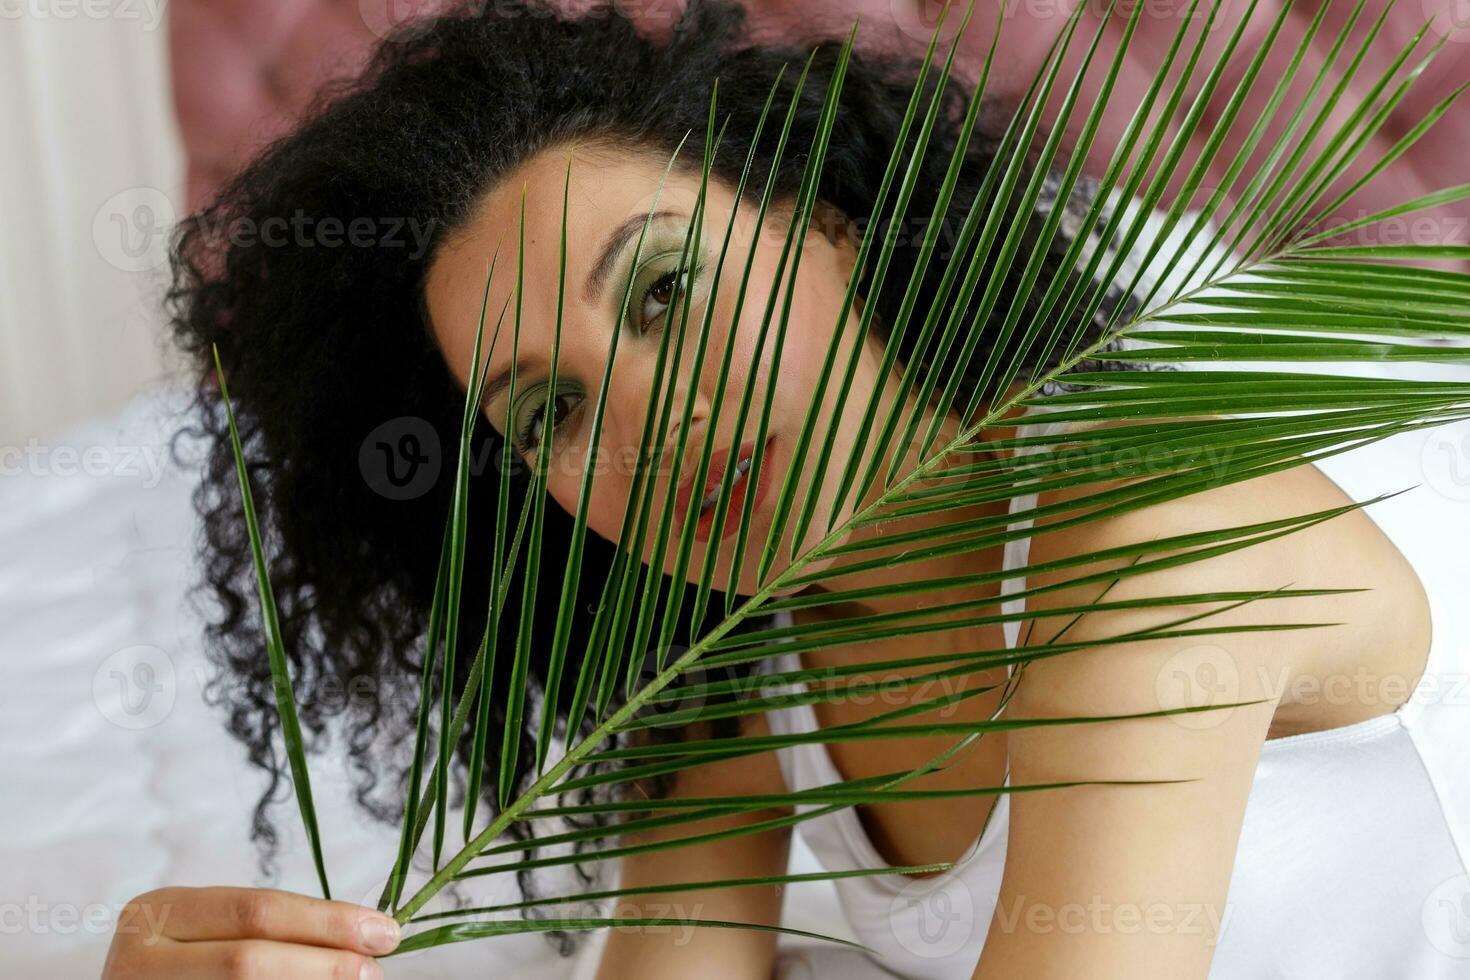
(370, 971)
(379, 934)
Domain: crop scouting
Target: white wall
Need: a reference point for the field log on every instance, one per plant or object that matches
(90, 172)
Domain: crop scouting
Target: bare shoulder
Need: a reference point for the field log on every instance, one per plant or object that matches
(1168, 838)
(1346, 551)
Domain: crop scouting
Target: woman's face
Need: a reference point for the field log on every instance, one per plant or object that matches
(609, 196)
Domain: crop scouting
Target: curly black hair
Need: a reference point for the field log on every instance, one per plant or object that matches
(329, 362)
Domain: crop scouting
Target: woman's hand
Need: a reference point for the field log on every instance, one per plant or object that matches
(246, 932)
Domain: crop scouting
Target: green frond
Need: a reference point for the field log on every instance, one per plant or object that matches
(1233, 319)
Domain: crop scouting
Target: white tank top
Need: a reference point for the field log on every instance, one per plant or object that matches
(1351, 863)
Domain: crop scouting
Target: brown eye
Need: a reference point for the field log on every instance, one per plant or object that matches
(663, 290)
(658, 297)
(531, 426)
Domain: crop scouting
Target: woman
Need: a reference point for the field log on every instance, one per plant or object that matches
(334, 353)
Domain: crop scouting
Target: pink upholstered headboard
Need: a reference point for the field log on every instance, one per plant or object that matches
(244, 69)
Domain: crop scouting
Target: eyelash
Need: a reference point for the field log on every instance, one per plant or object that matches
(672, 274)
(523, 436)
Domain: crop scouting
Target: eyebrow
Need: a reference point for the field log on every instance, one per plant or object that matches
(613, 247)
(596, 281)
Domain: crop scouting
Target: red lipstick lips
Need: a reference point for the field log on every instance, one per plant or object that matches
(716, 473)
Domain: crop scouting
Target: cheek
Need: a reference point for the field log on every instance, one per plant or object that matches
(804, 349)
(609, 498)
(809, 339)
(611, 485)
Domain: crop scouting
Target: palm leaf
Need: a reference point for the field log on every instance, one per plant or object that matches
(1266, 303)
(275, 648)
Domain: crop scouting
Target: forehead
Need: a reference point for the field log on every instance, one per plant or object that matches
(604, 188)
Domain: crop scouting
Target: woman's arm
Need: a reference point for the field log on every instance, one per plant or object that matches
(1132, 881)
(676, 953)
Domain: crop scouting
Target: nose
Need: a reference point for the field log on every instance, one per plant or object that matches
(633, 393)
